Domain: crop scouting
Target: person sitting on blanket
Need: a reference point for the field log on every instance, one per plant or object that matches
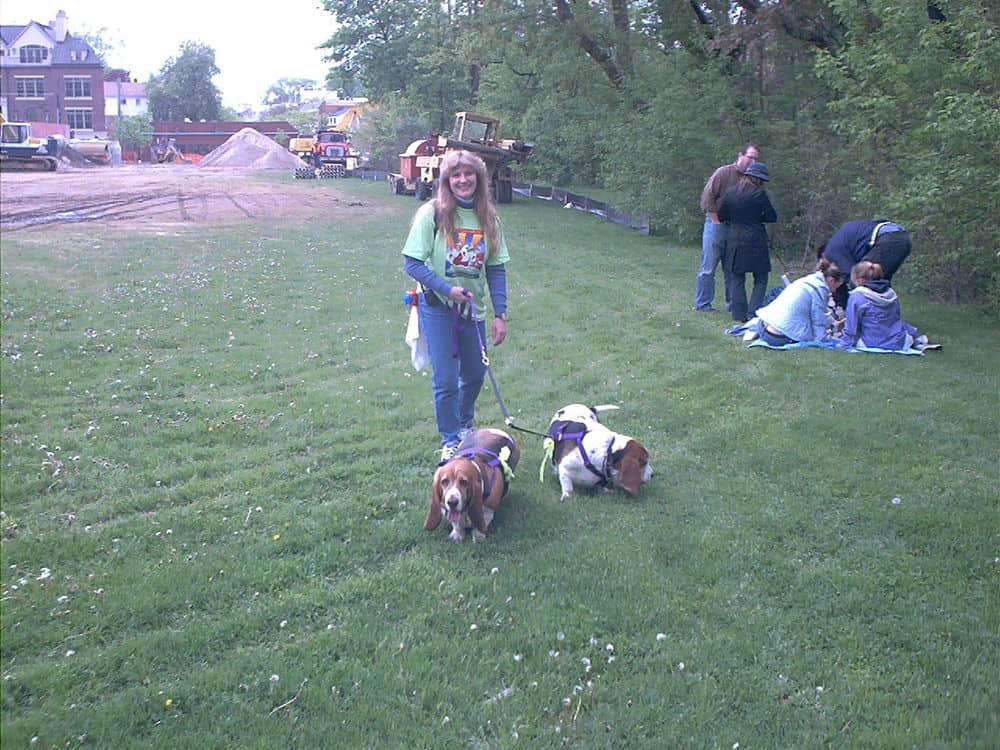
(801, 312)
(873, 314)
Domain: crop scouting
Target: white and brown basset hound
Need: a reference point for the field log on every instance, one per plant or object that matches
(585, 453)
(468, 487)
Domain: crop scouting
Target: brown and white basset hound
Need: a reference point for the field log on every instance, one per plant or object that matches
(585, 453)
(468, 487)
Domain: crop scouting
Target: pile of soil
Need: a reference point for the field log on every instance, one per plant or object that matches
(251, 149)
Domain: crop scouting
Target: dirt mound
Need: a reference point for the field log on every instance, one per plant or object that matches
(253, 150)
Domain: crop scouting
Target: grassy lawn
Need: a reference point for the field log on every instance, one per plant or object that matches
(216, 460)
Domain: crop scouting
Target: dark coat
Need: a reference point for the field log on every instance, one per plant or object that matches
(746, 245)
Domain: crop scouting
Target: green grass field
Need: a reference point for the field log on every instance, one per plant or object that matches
(216, 464)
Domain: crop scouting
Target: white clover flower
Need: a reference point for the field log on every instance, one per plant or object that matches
(494, 571)
(518, 657)
(275, 678)
(560, 636)
(473, 627)
(680, 666)
(661, 637)
(586, 662)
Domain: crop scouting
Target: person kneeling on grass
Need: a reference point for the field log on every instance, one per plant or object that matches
(873, 314)
(801, 311)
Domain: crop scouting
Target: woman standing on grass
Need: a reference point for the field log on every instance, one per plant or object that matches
(745, 207)
(456, 252)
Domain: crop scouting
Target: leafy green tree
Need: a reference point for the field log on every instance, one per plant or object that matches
(286, 93)
(183, 89)
(386, 130)
(101, 42)
(134, 131)
(918, 103)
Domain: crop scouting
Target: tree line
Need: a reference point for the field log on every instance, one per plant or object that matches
(862, 108)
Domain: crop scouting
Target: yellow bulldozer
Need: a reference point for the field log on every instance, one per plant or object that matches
(21, 152)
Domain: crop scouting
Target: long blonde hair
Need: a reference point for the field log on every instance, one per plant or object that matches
(446, 207)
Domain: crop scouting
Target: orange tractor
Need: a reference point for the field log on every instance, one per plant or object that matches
(419, 165)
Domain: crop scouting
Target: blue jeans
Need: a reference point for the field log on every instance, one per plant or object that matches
(457, 369)
(713, 249)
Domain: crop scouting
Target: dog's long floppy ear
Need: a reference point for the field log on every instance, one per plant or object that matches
(631, 467)
(434, 511)
(475, 505)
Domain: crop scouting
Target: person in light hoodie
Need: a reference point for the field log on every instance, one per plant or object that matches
(873, 318)
(802, 312)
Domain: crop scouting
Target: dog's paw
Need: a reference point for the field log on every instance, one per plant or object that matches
(456, 536)
(477, 535)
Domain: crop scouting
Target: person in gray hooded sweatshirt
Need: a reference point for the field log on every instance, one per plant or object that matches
(873, 317)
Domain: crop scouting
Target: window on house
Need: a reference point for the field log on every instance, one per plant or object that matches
(80, 118)
(34, 53)
(78, 87)
(30, 88)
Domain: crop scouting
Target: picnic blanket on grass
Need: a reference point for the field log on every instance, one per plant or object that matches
(742, 330)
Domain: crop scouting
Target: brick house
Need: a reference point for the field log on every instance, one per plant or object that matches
(48, 75)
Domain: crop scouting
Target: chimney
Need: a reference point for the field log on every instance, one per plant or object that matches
(60, 26)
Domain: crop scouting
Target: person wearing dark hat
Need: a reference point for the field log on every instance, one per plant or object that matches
(713, 236)
(746, 207)
(875, 240)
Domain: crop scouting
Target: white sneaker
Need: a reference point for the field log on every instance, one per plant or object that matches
(447, 451)
(465, 432)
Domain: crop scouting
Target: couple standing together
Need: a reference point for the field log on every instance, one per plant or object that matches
(736, 208)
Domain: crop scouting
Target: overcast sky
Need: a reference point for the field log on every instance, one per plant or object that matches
(255, 44)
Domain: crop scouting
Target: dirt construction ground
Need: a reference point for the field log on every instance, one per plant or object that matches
(158, 198)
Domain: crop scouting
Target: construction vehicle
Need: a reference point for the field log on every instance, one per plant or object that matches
(168, 152)
(329, 152)
(20, 151)
(420, 164)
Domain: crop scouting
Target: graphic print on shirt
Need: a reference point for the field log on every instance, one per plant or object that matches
(466, 254)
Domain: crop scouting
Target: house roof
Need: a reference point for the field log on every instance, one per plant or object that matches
(66, 52)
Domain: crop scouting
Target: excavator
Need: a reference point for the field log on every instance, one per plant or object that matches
(20, 152)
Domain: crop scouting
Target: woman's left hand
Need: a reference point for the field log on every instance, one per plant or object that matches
(499, 331)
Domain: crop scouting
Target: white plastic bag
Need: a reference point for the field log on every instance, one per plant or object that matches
(418, 345)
